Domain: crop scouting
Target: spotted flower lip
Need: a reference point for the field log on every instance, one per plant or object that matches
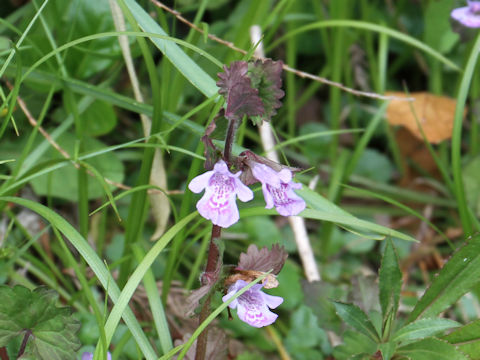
(221, 189)
(468, 16)
(278, 188)
(253, 306)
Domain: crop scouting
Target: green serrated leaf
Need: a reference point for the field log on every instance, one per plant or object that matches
(431, 349)
(423, 328)
(467, 339)
(459, 275)
(356, 318)
(356, 346)
(53, 329)
(390, 282)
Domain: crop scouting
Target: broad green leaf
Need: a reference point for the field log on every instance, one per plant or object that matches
(323, 209)
(356, 318)
(305, 333)
(192, 72)
(62, 183)
(99, 118)
(430, 349)
(374, 165)
(423, 328)
(390, 282)
(467, 339)
(438, 32)
(53, 329)
(459, 275)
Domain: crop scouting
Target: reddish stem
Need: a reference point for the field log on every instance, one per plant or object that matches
(4, 354)
(212, 264)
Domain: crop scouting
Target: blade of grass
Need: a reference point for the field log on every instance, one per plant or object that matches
(457, 140)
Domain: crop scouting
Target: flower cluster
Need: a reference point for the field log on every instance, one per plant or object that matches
(253, 306)
(468, 16)
(218, 203)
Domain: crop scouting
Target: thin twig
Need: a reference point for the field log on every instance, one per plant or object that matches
(299, 73)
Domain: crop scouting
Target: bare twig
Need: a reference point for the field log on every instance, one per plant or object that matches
(299, 73)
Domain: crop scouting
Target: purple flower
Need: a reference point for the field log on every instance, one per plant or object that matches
(89, 356)
(278, 189)
(468, 15)
(221, 188)
(253, 305)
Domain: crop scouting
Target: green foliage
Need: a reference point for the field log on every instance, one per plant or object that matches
(390, 285)
(430, 348)
(459, 275)
(62, 183)
(466, 338)
(52, 330)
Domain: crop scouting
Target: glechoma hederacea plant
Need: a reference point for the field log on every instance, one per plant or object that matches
(251, 90)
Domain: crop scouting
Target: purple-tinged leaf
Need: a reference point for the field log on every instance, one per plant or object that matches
(266, 77)
(263, 260)
(241, 98)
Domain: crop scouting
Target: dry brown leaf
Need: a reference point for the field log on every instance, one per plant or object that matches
(434, 113)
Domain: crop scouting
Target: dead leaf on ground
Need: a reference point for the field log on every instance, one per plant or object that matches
(434, 113)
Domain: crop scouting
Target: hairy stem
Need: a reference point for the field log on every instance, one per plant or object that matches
(28, 332)
(213, 261)
(212, 264)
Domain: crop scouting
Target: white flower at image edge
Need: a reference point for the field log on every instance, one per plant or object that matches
(253, 306)
(218, 204)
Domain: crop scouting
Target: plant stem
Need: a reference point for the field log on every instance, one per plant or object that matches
(212, 264)
(4, 354)
(28, 332)
(214, 253)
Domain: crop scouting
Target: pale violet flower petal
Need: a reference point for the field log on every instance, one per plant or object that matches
(286, 201)
(253, 305)
(468, 15)
(277, 188)
(218, 204)
(243, 192)
(265, 174)
(89, 356)
(200, 182)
